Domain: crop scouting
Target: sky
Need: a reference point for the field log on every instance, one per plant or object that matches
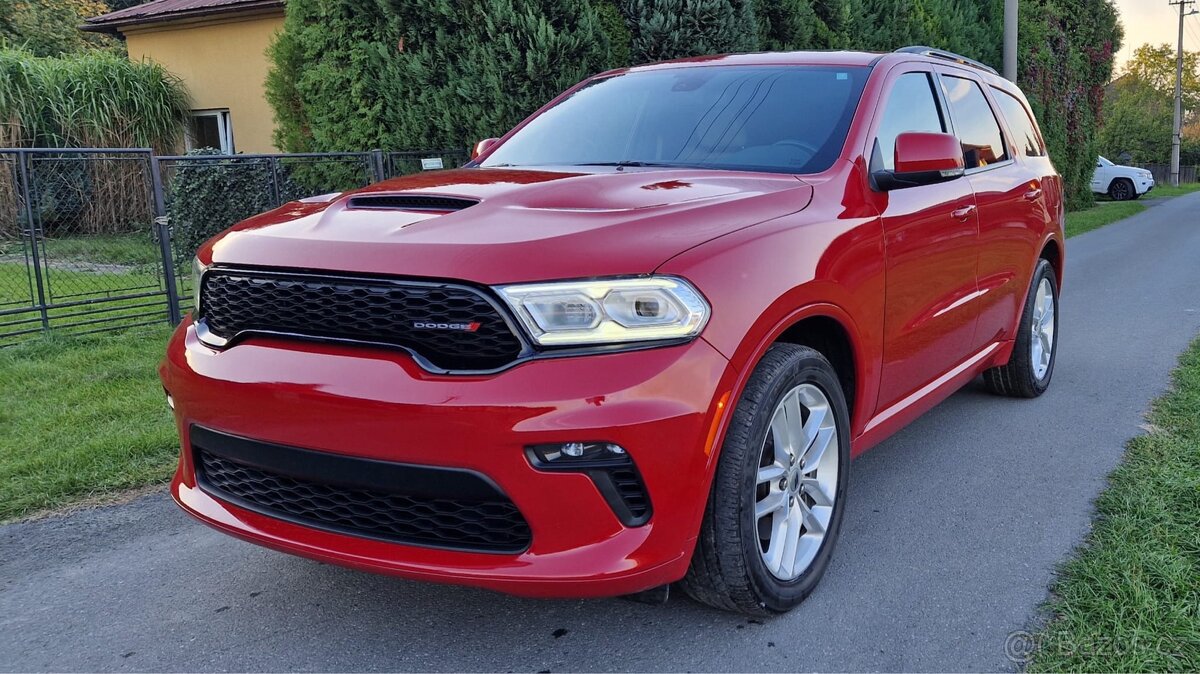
(1154, 21)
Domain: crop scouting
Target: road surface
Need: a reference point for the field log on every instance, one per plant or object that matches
(952, 535)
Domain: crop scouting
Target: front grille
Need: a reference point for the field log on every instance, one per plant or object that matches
(469, 514)
(449, 327)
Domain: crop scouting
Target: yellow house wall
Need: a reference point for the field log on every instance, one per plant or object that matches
(223, 64)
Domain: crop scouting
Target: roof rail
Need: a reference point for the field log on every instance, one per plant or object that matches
(947, 55)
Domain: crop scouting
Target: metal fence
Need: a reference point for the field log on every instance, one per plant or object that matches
(89, 239)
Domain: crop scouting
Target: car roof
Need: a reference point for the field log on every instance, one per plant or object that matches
(841, 58)
(816, 58)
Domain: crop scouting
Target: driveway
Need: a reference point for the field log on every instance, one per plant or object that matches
(952, 535)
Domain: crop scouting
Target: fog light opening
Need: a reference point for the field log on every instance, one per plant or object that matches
(575, 454)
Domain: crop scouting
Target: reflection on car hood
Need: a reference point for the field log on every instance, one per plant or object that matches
(511, 225)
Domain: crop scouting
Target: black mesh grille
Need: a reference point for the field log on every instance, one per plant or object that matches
(451, 327)
(486, 526)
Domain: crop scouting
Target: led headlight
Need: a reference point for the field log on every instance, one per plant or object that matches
(197, 271)
(608, 311)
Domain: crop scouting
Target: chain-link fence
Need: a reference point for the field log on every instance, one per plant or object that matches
(102, 239)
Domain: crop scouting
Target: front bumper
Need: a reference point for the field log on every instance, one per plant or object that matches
(660, 404)
(1144, 185)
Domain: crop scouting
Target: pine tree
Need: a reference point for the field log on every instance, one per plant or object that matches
(785, 25)
(325, 82)
(471, 69)
(669, 29)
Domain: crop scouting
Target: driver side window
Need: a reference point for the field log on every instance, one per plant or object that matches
(911, 106)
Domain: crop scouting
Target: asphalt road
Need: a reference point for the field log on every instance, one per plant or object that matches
(953, 531)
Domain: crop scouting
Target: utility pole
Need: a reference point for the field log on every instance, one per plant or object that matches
(1010, 40)
(1177, 135)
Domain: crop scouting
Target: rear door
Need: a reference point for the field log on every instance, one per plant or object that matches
(1010, 199)
(930, 239)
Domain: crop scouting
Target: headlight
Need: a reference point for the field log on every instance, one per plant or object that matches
(197, 271)
(608, 311)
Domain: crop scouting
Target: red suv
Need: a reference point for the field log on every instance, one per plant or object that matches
(635, 341)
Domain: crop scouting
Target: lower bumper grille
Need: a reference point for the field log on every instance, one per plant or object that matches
(399, 503)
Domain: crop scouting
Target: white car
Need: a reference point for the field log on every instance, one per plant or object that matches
(1121, 182)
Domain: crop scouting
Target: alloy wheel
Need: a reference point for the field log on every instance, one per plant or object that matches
(797, 482)
(1042, 326)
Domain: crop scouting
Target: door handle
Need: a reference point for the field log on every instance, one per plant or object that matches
(1033, 194)
(964, 212)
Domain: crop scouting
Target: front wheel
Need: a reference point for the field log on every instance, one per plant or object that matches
(779, 492)
(1028, 371)
(1122, 189)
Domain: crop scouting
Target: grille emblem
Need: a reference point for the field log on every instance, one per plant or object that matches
(457, 327)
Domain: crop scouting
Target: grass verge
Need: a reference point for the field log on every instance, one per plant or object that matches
(1165, 190)
(1100, 215)
(1130, 600)
(82, 417)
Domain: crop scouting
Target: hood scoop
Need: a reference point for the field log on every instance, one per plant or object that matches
(435, 203)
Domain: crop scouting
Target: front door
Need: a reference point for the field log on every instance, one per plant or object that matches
(931, 246)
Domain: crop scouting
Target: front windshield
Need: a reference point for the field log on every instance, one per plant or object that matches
(1105, 162)
(788, 119)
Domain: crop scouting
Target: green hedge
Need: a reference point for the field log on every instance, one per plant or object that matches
(208, 196)
(355, 74)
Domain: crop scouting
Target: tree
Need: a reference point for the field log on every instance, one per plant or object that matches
(325, 85)
(1065, 61)
(669, 29)
(51, 27)
(1139, 106)
(471, 69)
(1154, 66)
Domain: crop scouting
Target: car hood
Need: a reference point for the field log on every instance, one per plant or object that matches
(518, 225)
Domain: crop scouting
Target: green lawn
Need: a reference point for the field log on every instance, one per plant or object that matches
(1103, 213)
(72, 288)
(81, 417)
(1165, 190)
(134, 250)
(1130, 600)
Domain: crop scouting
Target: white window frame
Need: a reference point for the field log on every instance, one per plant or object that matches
(224, 129)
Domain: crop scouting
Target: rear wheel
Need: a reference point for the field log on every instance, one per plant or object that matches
(779, 492)
(1028, 371)
(1122, 189)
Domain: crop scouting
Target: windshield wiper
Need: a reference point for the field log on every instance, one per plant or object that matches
(622, 164)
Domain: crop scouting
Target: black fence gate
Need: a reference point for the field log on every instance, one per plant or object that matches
(86, 240)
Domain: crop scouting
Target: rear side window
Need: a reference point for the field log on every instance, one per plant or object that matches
(976, 124)
(1020, 123)
(911, 106)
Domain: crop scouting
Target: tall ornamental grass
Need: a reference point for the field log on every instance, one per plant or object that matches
(91, 99)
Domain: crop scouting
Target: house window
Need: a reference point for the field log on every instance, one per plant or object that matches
(210, 128)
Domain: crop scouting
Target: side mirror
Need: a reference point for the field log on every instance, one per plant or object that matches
(483, 146)
(922, 159)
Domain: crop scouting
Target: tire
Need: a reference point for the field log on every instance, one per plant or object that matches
(729, 568)
(1022, 377)
(1122, 189)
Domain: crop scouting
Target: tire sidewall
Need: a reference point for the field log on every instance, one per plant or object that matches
(1043, 271)
(777, 595)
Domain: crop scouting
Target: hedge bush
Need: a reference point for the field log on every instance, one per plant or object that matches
(354, 74)
(473, 68)
(209, 196)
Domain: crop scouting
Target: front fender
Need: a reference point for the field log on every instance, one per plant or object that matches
(764, 279)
